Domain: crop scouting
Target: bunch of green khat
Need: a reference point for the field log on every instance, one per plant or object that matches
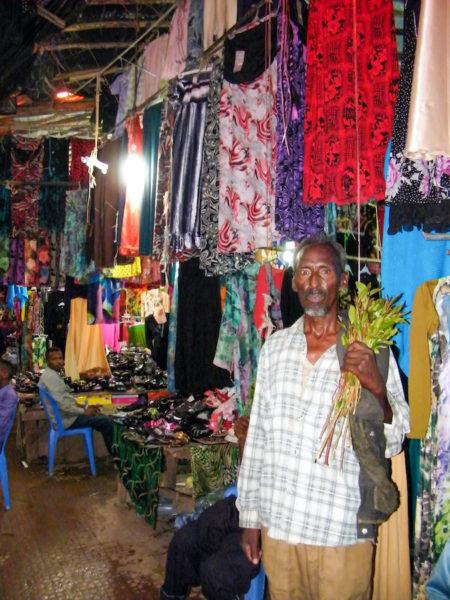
(373, 321)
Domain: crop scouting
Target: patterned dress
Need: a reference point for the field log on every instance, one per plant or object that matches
(432, 529)
(350, 93)
(246, 162)
(294, 220)
(212, 262)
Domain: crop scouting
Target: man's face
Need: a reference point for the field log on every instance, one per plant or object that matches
(55, 361)
(316, 281)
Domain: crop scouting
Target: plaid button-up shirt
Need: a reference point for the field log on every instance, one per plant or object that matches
(281, 485)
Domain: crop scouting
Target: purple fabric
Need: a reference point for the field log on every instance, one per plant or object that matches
(16, 272)
(293, 219)
(8, 405)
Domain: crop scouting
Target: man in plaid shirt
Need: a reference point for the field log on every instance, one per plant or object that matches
(297, 513)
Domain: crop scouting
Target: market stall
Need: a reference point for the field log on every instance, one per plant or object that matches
(157, 248)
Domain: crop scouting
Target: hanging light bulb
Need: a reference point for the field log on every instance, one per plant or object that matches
(288, 254)
(134, 176)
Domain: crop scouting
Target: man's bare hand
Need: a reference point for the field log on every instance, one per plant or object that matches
(92, 411)
(251, 545)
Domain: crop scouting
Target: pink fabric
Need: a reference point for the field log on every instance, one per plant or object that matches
(110, 334)
(177, 44)
(153, 63)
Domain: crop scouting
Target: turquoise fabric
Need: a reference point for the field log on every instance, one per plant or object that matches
(152, 124)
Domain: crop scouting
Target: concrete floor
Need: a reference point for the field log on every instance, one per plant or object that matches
(73, 537)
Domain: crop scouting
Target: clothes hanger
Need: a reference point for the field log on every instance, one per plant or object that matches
(257, 20)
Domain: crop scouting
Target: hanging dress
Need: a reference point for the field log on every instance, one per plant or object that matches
(247, 142)
(432, 523)
(417, 191)
(293, 219)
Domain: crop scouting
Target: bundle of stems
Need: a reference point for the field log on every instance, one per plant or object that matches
(374, 321)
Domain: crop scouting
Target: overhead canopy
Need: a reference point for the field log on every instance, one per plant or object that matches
(52, 45)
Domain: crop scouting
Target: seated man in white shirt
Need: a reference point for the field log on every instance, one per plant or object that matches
(301, 516)
(72, 415)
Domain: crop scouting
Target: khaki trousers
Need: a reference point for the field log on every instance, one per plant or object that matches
(301, 572)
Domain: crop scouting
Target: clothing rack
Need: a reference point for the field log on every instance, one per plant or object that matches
(203, 60)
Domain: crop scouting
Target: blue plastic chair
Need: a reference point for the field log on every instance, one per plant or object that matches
(56, 431)
(3, 465)
(258, 585)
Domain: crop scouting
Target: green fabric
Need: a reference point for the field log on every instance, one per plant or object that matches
(152, 124)
(136, 336)
(140, 470)
(213, 467)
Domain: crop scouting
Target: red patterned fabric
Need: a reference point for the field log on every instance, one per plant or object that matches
(78, 170)
(351, 86)
(26, 165)
(129, 239)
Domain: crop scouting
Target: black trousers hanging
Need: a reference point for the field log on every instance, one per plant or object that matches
(207, 552)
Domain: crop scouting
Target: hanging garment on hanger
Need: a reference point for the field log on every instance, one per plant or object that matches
(78, 170)
(56, 277)
(239, 342)
(350, 93)
(175, 58)
(188, 135)
(429, 112)
(392, 574)
(424, 323)
(212, 262)
(26, 166)
(129, 238)
(52, 199)
(16, 272)
(102, 235)
(294, 220)
(73, 254)
(162, 208)
(195, 33)
(218, 16)
(152, 65)
(417, 191)
(152, 124)
(198, 323)
(267, 310)
(247, 141)
(84, 345)
(433, 503)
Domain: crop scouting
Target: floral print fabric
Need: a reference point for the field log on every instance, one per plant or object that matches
(73, 255)
(246, 164)
(211, 261)
(26, 165)
(160, 231)
(432, 530)
(239, 342)
(350, 93)
(418, 190)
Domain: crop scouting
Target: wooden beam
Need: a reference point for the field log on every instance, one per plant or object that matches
(49, 16)
(50, 47)
(130, 2)
(111, 25)
(46, 108)
(85, 74)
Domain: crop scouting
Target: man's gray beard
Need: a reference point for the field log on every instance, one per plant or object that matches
(316, 312)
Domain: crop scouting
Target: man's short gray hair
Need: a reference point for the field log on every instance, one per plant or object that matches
(340, 258)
